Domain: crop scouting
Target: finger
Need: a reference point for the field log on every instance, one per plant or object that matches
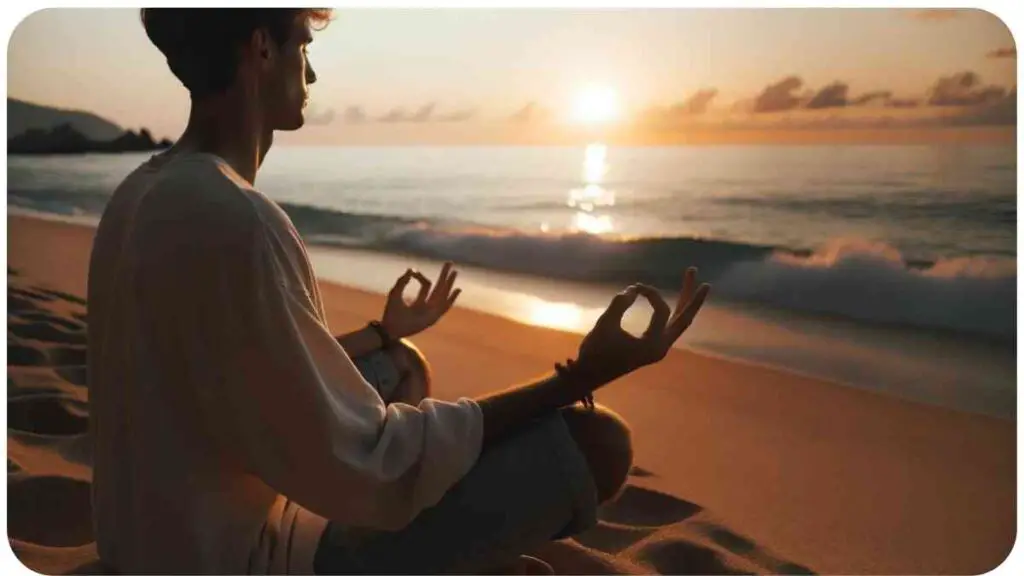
(683, 321)
(659, 319)
(425, 285)
(686, 294)
(399, 288)
(443, 284)
(617, 308)
(451, 299)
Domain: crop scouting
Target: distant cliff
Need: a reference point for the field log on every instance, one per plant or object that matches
(23, 116)
(65, 139)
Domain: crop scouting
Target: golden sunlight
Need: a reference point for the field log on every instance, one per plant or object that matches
(596, 104)
(563, 315)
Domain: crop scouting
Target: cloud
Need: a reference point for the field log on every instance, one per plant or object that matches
(354, 115)
(937, 14)
(963, 89)
(779, 96)
(832, 96)
(529, 114)
(423, 114)
(697, 103)
(884, 96)
(1010, 52)
(667, 117)
(994, 112)
(458, 116)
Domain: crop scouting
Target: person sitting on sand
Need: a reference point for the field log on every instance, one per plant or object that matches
(233, 433)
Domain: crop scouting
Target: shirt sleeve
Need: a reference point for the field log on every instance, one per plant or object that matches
(288, 402)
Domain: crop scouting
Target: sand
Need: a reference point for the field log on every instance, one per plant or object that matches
(739, 468)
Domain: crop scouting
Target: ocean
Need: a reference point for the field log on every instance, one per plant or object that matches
(888, 267)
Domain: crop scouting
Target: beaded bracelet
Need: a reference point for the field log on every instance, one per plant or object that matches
(564, 371)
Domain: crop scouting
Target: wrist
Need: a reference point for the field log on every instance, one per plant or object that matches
(386, 336)
(580, 381)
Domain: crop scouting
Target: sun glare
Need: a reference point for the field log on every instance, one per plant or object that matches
(596, 105)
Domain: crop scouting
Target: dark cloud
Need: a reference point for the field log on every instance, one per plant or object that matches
(937, 14)
(697, 103)
(963, 89)
(832, 96)
(354, 115)
(884, 96)
(779, 96)
(529, 114)
(998, 112)
(1010, 52)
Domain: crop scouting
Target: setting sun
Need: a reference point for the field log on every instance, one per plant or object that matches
(596, 104)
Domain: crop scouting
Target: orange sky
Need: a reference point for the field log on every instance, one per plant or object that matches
(677, 75)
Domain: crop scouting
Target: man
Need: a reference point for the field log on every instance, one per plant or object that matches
(233, 433)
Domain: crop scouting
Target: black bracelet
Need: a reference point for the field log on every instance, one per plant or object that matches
(385, 339)
(565, 371)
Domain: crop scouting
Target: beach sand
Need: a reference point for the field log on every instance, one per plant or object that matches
(739, 468)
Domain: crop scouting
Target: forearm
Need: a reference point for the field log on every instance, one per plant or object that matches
(509, 409)
(360, 342)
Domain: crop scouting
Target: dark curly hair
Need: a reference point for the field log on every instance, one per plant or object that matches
(201, 44)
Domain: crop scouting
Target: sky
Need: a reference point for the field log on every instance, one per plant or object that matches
(535, 76)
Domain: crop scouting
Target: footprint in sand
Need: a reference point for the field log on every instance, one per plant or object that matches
(49, 510)
(48, 414)
(76, 375)
(62, 295)
(46, 332)
(748, 549)
(54, 319)
(18, 355)
(638, 506)
(613, 538)
(17, 305)
(67, 355)
(31, 293)
(672, 556)
(21, 355)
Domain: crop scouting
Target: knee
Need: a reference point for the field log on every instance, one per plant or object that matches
(605, 440)
(413, 369)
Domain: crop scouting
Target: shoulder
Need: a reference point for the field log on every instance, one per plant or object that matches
(196, 206)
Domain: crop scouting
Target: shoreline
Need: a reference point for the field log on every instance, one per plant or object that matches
(862, 356)
(833, 478)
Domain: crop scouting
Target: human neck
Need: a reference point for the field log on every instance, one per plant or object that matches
(229, 126)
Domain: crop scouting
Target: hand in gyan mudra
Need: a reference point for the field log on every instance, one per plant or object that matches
(609, 352)
(403, 318)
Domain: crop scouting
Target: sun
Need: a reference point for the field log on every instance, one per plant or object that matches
(596, 104)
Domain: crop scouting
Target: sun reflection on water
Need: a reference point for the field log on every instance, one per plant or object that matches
(589, 199)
